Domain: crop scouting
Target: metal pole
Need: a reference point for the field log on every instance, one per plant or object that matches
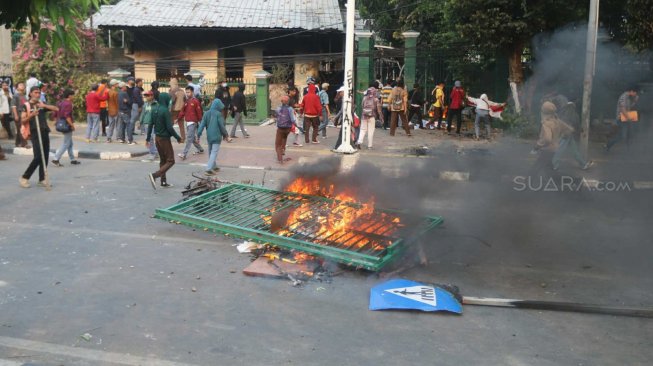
(348, 97)
(46, 179)
(590, 59)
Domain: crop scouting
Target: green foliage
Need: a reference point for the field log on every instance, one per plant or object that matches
(61, 69)
(63, 14)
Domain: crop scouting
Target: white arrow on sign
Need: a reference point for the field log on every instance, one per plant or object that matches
(423, 294)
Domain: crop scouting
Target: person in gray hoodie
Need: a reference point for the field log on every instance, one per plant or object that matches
(213, 122)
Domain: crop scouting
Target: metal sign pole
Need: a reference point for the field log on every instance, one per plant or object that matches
(590, 59)
(348, 97)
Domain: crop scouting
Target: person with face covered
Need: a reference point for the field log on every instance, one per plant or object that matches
(215, 132)
(222, 93)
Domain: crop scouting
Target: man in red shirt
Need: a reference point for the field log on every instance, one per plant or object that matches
(191, 112)
(93, 99)
(456, 105)
(312, 111)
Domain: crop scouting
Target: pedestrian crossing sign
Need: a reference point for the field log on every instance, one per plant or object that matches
(411, 295)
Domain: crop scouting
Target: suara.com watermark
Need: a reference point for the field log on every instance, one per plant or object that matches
(567, 183)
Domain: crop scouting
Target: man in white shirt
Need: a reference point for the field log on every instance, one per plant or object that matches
(31, 82)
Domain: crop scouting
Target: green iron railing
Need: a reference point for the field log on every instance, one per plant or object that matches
(250, 212)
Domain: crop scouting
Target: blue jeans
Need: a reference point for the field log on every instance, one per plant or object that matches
(485, 116)
(238, 120)
(625, 133)
(152, 147)
(66, 146)
(567, 142)
(132, 122)
(93, 126)
(191, 136)
(123, 123)
(325, 121)
(213, 156)
(112, 125)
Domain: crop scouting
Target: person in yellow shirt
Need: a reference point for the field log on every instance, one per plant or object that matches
(438, 105)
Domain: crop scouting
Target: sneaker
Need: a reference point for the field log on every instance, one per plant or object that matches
(297, 144)
(216, 169)
(198, 152)
(209, 172)
(75, 162)
(41, 184)
(132, 143)
(324, 137)
(588, 165)
(166, 185)
(23, 182)
(315, 142)
(181, 156)
(56, 163)
(152, 181)
(246, 136)
(108, 141)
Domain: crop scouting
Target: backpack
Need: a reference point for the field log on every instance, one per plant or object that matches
(397, 102)
(368, 105)
(283, 117)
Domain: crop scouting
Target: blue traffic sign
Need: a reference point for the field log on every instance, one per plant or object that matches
(411, 295)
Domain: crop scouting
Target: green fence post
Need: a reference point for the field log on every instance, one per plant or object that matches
(364, 65)
(410, 57)
(262, 94)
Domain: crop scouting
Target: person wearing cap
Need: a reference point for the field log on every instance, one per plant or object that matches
(310, 81)
(161, 129)
(326, 113)
(456, 105)
(93, 99)
(124, 111)
(112, 109)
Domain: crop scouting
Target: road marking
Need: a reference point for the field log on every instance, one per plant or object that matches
(451, 175)
(73, 230)
(87, 354)
(111, 155)
(10, 363)
(643, 184)
(251, 167)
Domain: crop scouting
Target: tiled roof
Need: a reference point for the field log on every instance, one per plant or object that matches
(263, 14)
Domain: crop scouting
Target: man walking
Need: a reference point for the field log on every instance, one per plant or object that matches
(222, 93)
(215, 132)
(239, 108)
(191, 113)
(104, 116)
(456, 105)
(326, 113)
(112, 109)
(93, 99)
(398, 104)
(178, 96)
(312, 110)
(162, 127)
(29, 112)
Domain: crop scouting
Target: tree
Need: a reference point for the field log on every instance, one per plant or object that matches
(63, 16)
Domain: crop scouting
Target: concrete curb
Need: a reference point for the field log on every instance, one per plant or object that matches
(99, 155)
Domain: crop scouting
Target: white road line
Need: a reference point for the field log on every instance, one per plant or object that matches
(451, 175)
(87, 354)
(171, 239)
(251, 167)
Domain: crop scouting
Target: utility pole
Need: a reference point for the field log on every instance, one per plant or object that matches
(590, 65)
(348, 97)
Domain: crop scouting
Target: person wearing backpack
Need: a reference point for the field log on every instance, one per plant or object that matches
(371, 111)
(285, 121)
(398, 104)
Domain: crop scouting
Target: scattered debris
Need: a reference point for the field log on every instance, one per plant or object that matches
(247, 247)
(86, 336)
(200, 186)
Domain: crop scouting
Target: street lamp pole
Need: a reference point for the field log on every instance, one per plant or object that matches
(590, 65)
(348, 97)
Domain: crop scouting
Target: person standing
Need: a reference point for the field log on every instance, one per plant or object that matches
(285, 122)
(626, 117)
(31, 82)
(17, 103)
(215, 132)
(326, 113)
(398, 104)
(5, 103)
(197, 90)
(124, 111)
(456, 105)
(222, 93)
(438, 105)
(93, 99)
(371, 111)
(162, 127)
(312, 109)
(137, 108)
(191, 113)
(178, 99)
(66, 113)
(385, 99)
(483, 108)
(104, 115)
(112, 109)
(29, 112)
(238, 109)
(416, 103)
(146, 119)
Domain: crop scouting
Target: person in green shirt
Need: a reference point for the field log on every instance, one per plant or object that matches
(161, 126)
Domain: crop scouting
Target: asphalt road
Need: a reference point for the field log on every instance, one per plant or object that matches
(87, 258)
